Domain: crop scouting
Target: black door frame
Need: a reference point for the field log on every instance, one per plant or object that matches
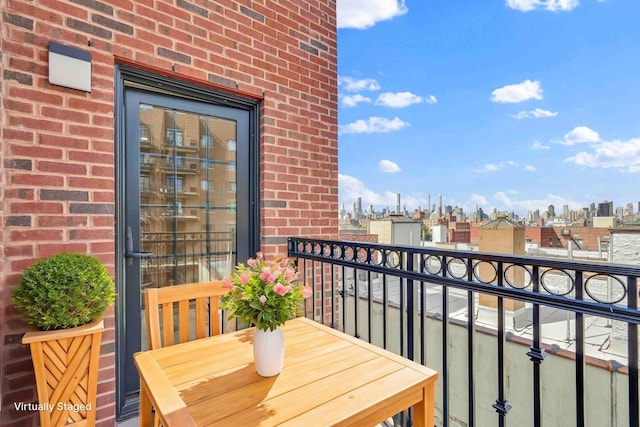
(248, 238)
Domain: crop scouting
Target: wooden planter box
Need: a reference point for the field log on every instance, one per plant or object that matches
(66, 367)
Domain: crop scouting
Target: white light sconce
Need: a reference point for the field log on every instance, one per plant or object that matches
(69, 67)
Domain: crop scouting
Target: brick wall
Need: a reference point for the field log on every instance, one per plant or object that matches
(588, 238)
(358, 237)
(57, 170)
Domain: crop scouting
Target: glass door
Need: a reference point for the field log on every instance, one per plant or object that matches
(183, 206)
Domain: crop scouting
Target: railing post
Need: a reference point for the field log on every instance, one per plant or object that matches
(632, 350)
(580, 353)
(410, 307)
(471, 330)
(445, 345)
(501, 406)
(536, 353)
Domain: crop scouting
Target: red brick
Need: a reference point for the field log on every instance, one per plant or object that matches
(35, 235)
(35, 207)
(64, 168)
(36, 179)
(91, 183)
(39, 153)
(46, 250)
(35, 124)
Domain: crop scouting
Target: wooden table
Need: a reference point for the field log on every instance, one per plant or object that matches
(328, 379)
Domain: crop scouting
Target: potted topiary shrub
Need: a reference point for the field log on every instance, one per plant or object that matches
(63, 298)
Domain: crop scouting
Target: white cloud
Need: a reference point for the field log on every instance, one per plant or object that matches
(517, 92)
(353, 100)
(493, 167)
(479, 200)
(538, 146)
(579, 135)
(350, 188)
(356, 85)
(538, 113)
(402, 99)
(489, 167)
(388, 166)
(363, 14)
(550, 5)
(374, 125)
(530, 168)
(623, 155)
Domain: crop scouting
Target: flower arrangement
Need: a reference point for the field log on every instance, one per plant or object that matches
(263, 292)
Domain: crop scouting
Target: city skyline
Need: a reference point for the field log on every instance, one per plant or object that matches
(509, 105)
(605, 208)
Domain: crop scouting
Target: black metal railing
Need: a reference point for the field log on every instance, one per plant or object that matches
(185, 257)
(405, 298)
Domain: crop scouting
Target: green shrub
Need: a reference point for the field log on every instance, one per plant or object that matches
(64, 291)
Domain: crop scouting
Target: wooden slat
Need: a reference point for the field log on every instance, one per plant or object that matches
(214, 315)
(201, 318)
(183, 320)
(167, 324)
(152, 318)
(161, 334)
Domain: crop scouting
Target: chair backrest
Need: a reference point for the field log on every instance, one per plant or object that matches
(179, 299)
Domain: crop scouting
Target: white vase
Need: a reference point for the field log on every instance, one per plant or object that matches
(268, 351)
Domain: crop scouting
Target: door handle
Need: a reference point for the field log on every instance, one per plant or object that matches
(138, 255)
(129, 253)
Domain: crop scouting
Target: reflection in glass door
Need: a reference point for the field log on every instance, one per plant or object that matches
(187, 196)
(186, 166)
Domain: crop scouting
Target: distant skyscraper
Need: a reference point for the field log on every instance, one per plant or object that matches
(551, 212)
(605, 208)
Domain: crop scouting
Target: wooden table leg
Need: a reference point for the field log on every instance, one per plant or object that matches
(424, 412)
(144, 413)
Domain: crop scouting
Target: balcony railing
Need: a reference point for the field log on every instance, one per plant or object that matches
(528, 340)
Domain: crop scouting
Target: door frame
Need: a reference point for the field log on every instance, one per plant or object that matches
(127, 76)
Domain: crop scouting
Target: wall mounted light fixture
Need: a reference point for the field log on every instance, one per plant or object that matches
(69, 67)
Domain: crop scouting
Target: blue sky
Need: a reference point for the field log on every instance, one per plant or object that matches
(512, 105)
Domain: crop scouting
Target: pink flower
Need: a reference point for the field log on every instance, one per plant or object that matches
(263, 299)
(306, 292)
(244, 278)
(251, 262)
(226, 283)
(281, 290)
(289, 274)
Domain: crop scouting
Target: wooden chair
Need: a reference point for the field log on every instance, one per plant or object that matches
(165, 303)
(172, 300)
